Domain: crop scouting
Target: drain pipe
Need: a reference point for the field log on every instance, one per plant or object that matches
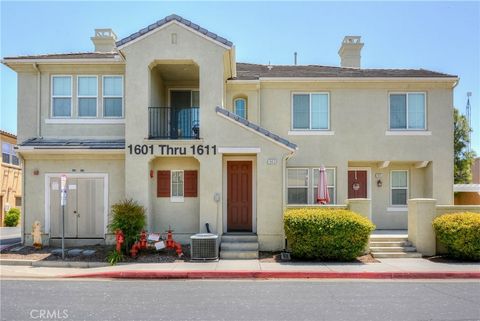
(39, 112)
(284, 203)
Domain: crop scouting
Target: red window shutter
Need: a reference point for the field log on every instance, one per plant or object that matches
(190, 183)
(163, 183)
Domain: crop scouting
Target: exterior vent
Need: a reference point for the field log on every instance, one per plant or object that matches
(204, 246)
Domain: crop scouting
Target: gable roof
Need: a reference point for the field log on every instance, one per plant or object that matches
(256, 128)
(178, 19)
(246, 71)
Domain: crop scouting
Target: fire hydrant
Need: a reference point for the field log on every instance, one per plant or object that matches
(143, 240)
(171, 244)
(134, 250)
(119, 238)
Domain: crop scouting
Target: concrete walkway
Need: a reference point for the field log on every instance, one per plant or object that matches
(387, 268)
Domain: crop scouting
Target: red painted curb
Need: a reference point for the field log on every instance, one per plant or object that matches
(275, 275)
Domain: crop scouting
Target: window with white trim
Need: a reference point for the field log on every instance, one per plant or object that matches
(330, 173)
(113, 96)
(407, 111)
(240, 107)
(62, 96)
(399, 187)
(310, 111)
(177, 181)
(297, 185)
(87, 90)
(9, 156)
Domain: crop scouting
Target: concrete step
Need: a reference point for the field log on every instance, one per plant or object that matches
(393, 249)
(389, 244)
(239, 255)
(388, 238)
(235, 238)
(396, 255)
(239, 246)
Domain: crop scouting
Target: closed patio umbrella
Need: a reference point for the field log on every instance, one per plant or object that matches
(322, 193)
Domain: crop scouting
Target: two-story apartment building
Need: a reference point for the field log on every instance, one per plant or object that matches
(10, 176)
(166, 116)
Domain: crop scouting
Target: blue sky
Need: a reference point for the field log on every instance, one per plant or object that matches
(441, 36)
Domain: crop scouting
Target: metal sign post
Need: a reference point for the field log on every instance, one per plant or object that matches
(63, 202)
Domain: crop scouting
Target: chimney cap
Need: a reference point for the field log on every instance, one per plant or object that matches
(105, 33)
(352, 40)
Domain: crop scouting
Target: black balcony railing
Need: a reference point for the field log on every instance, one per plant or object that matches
(173, 123)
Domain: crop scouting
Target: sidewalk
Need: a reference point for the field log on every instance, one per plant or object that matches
(386, 269)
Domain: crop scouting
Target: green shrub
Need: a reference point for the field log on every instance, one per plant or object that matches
(324, 233)
(129, 217)
(12, 217)
(460, 233)
(114, 257)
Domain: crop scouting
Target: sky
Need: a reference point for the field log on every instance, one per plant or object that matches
(439, 36)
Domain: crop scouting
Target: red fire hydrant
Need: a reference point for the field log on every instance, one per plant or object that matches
(171, 244)
(134, 250)
(119, 238)
(143, 240)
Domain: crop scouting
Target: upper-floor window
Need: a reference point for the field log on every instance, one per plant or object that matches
(87, 96)
(310, 111)
(407, 111)
(61, 96)
(113, 96)
(399, 187)
(9, 155)
(240, 107)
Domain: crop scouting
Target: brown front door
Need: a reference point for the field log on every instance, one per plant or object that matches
(357, 184)
(239, 196)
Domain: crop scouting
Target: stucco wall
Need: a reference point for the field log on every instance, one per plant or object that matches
(182, 217)
(34, 196)
(28, 124)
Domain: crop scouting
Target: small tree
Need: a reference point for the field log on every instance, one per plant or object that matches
(129, 217)
(12, 217)
(463, 157)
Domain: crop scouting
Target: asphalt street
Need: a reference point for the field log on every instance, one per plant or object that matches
(141, 300)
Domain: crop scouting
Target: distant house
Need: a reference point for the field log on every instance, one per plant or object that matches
(11, 175)
(469, 194)
(167, 116)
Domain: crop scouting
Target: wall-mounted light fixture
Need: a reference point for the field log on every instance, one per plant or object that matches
(378, 176)
(151, 173)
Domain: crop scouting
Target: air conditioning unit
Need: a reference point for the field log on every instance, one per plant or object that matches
(204, 246)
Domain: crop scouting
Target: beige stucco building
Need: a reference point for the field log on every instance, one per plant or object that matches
(167, 116)
(11, 176)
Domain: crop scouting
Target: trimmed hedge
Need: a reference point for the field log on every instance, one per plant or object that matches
(460, 233)
(325, 233)
(12, 217)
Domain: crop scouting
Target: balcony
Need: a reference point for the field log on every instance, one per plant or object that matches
(173, 123)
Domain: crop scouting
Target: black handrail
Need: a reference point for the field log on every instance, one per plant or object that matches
(173, 123)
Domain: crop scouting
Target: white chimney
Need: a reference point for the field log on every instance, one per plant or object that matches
(104, 40)
(349, 52)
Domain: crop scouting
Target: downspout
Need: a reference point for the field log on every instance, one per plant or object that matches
(284, 185)
(24, 195)
(39, 112)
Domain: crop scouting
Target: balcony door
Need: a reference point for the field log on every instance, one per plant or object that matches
(184, 113)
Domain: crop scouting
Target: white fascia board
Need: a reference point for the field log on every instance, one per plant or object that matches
(358, 79)
(151, 32)
(64, 61)
(71, 150)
